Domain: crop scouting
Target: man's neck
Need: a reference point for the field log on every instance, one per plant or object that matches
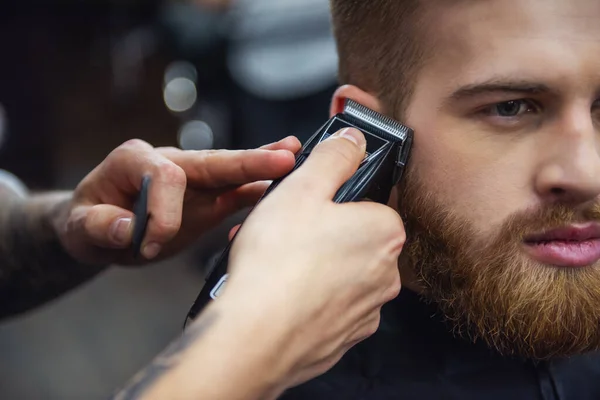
(408, 276)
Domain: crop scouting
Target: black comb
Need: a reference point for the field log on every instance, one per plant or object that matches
(141, 217)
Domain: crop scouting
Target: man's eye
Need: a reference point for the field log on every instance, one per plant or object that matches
(513, 108)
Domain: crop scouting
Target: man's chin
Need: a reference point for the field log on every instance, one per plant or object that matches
(511, 300)
(551, 313)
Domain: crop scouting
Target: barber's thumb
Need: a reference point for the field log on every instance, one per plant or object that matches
(106, 226)
(353, 135)
(346, 146)
(337, 158)
(331, 163)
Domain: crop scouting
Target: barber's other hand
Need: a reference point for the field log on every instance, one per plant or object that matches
(191, 192)
(320, 271)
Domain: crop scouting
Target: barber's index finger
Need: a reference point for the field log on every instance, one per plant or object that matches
(224, 168)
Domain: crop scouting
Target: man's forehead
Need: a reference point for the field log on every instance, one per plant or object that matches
(516, 17)
(544, 41)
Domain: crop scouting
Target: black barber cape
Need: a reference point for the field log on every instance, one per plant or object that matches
(413, 356)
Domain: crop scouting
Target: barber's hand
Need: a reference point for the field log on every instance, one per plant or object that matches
(314, 273)
(191, 192)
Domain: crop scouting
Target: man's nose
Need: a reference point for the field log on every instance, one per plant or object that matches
(570, 172)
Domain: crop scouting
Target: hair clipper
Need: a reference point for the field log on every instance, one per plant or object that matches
(388, 148)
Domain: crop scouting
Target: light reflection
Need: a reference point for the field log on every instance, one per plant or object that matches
(196, 135)
(180, 94)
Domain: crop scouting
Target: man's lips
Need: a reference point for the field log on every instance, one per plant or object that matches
(571, 246)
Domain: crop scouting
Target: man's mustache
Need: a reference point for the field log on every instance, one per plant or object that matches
(548, 217)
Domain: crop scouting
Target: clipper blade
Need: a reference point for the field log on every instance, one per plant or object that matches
(369, 119)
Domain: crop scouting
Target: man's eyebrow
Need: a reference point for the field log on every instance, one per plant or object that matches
(499, 86)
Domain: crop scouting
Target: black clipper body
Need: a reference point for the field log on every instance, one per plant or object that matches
(388, 149)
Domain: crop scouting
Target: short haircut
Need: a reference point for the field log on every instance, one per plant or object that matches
(379, 47)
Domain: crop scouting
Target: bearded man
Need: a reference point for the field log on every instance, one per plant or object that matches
(501, 270)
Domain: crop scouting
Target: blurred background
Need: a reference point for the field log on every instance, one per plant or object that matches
(78, 78)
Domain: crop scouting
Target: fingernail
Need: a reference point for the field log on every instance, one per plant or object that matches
(353, 135)
(119, 230)
(151, 250)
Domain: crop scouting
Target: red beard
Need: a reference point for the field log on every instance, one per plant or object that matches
(490, 290)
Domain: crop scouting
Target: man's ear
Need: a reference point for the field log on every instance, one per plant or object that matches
(353, 93)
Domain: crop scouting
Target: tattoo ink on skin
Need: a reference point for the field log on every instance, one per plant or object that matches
(34, 267)
(166, 361)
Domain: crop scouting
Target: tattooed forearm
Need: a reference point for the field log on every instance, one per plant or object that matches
(168, 360)
(34, 267)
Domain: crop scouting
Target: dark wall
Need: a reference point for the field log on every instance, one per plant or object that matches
(59, 86)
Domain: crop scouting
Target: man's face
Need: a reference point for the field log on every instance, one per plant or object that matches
(501, 198)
